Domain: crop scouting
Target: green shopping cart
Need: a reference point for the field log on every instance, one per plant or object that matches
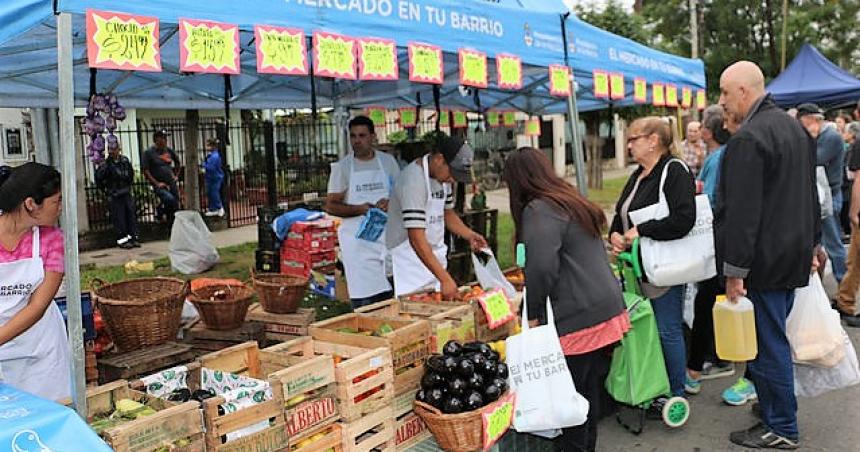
(637, 376)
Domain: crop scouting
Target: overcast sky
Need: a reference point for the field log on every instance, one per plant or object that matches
(627, 3)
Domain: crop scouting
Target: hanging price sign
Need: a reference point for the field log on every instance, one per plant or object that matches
(492, 118)
(671, 95)
(334, 56)
(616, 85)
(281, 50)
(377, 59)
(686, 97)
(377, 115)
(559, 80)
(210, 47)
(640, 91)
(425, 63)
(497, 418)
(509, 71)
(460, 119)
(495, 304)
(658, 95)
(701, 101)
(509, 118)
(473, 68)
(408, 117)
(444, 118)
(601, 84)
(533, 127)
(122, 41)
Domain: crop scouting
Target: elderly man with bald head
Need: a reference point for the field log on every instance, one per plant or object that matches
(767, 228)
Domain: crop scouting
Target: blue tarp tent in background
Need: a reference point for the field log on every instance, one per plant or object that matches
(811, 77)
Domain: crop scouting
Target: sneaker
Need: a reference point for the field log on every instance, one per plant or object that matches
(221, 212)
(852, 321)
(692, 385)
(211, 213)
(740, 393)
(758, 437)
(717, 370)
(125, 243)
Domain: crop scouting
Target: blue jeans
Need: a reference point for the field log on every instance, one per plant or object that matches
(213, 194)
(772, 370)
(169, 198)
(831, 237)
(669, 314)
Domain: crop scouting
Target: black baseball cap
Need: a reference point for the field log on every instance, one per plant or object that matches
(161, 133)
(458, 154)
(809, 109)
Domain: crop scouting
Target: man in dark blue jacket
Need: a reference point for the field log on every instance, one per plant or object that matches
(767, 226)
(115, 176)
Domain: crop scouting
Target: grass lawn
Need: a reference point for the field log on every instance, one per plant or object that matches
(608, 196)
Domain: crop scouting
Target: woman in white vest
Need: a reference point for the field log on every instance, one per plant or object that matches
(359, 182)
(34, 346)
(422, 207)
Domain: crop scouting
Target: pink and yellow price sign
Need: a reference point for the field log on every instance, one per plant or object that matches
(281, 50)
(616, 85)
(425, 63)
(334, 55)
(658, 95)
(601, 84)
(496, 305)
(122, 41)
(671, 95)
(559, 80)
(686, 97)
(509, 71)
(509, 118)
(210, 47)
(497, 418)
(640, 91)
(473, 68)
(701, 101)
(460, 120)
(444, 118)
(377, 115)
(408, 117)
(377, 59)
(493, 119)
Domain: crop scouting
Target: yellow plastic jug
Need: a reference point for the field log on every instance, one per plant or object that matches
(734, 329)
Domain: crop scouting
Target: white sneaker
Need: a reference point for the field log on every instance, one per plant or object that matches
(221, 212)
(211, 213)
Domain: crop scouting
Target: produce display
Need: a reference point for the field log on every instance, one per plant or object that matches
(466, 294)
(464, 378)
(124, 410)
(103, 114)
(379, 332)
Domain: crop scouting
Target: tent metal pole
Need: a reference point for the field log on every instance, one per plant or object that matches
(573, 117)
(66, 94)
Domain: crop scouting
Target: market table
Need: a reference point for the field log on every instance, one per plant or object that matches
(29, 423)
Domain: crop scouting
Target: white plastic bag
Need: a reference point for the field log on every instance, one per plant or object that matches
(546, 395)
(191, 249)
(825, 198)
(490, 276)
(811, 381)
(813, 328)
(690, 292)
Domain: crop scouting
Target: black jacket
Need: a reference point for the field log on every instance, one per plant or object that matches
(115, 176)
(767, 217)
(680, 193)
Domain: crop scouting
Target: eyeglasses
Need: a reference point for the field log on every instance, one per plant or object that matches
(636, 137)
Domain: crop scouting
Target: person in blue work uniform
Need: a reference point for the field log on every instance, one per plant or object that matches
(214, 178)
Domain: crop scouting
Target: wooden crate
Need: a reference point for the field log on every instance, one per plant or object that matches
(329, 438)
(409, 343)
(447, 322)
(409, 431)
(372, 432)
(483, 332)
(144, 361)
(172, 422)
(204, 340)
(282, 327)
(365, 377)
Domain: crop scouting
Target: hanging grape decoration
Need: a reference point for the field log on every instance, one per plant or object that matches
(103, 114)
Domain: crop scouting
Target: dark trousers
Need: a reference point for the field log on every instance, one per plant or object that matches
(772, 370)
(361, 302)
(702, 337)
(122, 215)
(589, 372)
(169, 198)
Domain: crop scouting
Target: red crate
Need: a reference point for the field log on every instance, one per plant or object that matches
(300, 262)
(312, 236)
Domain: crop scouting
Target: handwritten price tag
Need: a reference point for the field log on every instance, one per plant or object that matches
(601, 84)
(701, 101)
(497, 307)
(497, 419)
(509, 71)
(640, 91)
(122, 41)
(509, 118)
(281, 50)
(616, 85)
(460, 120)
(425, 63)
(533, 127)
(492, 118)
(334, 56)
(377, 59)
(473, 68)
(444, 118)
(408, 117)
(559, 80)
(377, 115)
(658, 95)
(686, 97)
(671, 95)
(210, 47)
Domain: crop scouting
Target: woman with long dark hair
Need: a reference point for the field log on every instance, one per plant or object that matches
(566, 262)
(34, 348)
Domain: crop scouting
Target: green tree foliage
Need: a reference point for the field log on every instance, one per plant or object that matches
(614, 18)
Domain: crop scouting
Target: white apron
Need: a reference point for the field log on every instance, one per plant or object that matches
(364, 261)
(37, 361)
(410, 274)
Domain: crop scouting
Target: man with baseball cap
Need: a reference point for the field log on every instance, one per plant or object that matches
(420, 210)
(160, 166)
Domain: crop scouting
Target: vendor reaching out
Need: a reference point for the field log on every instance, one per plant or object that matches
(422, 207)
(358, 183)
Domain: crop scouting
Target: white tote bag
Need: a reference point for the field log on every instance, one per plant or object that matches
(685, 260)
(546, 396)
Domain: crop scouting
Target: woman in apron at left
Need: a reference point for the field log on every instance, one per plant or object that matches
(34, 346)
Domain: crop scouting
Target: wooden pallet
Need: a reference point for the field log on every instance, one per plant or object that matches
(145, 361)
(372, 432)
(409, 343)
(409, 431)
(326, 438)
(173, 421)
(204, 340)
(282, 327)
(447, 322)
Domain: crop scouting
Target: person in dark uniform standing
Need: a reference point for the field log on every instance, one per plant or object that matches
(115, 176)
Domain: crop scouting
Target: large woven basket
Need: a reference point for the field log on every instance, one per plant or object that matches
(279, 294)
(141, 312)
(226, 314)
(462, 432)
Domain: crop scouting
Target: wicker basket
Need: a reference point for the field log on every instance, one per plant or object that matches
(279, 294)
(226, 314)
(461, 432)
(141, 312)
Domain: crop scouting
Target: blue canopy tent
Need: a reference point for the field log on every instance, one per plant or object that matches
(43, 64)
(811, 77)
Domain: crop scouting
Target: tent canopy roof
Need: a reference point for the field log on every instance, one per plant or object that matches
(811, 77)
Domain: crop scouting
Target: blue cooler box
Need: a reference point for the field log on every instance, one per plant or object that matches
(86, 314)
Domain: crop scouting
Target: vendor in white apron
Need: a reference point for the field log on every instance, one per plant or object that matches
(359, 182)
(422, 208)
(34, 346)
